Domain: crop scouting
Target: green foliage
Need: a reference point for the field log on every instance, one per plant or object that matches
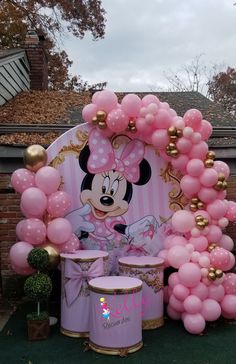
(35, 316)
(38, 287)
(38, 258)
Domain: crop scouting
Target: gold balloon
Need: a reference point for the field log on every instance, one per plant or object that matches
(54, 255)
(179, 133)
(219, 186)
(211, 154)
(200, 205)
(173, 138)
(221, 177)
(101, 116)
(209, 163)
(199, 218)
(172, 146)
(131, 123)
(193, 207)
(94, 120)
(194, 200)
(219, 273)
(35, 157)
(224, 185)
(172, 131)
(102, 124)
(211, 269)
(211, 276)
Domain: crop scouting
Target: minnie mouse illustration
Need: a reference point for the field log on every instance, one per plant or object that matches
(106, 192)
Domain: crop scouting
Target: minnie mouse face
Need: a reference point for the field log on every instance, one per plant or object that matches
(106, 196)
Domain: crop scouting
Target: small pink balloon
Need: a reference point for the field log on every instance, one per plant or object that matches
(176, 304)
(195, 167)
(58, 204)
(19, 227)
(143, 128)
(226, 242)
(228, 304)
(33, 202)
(214, 234)
(211, 309)
(172, 313)
(131, 105)
(200, 290)
(229, 283)
(207, 195)
(160, 139)
(199, 150)
(106, 100)
(178, 255)
(184, 145)
(231, 263)
(71, 245)
(173, 279)
(217, 209)
(194, 323)
(175, 240)
(19, 253)
(183, 221)
(149, 99)
(204, 262)
(59, 230)
(231, 211)
(189, 274)
(89, 111)
(22, 179)
(48, 179)
(193, 118)
(163, 119)
(200, 243)
(192, 304)
(117, 120)
(180, 163)
(190, 185)
(222, 167)
(26, 271)
(34, 231)
(205, 129)
(209, 177)
(180, 292)
(216, 292)
(219, 258)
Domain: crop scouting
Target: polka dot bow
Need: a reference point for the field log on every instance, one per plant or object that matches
(103, 157)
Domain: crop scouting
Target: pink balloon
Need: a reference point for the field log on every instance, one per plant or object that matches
(190, 185)
(59, 203)
(160, 139)
(173, 240)
(59, 230)
(229, 283)
(226, 242)
(106, 100)
(149, 99)
(195, 167)
(22, 179)
(217, 209)
(231, 211)
(19, 253)
(193, 118)
(189, 274)
(219, 258)
(143, 128)
(194, 323)
(184, 145)
(19, 227)
(207, 195)
(117, 120)
(48, 179)
(173, 279)
(33, 202)
(199, 150)
(205, 129)
(26, 271)
(228, 304)
(209, 177)
(201, 291)
(131, 105)
(71, 245)
(192, 304)
(176, 304)
(200, 243)
(231, 262)
(214, 234)
(88, 112)
(180, 163)
(34, 231)
(95, 96)
(180, 292)
(172, 313)
(183, 221)
(222, 167)
(211, 310)
(216, 292)
(163, 254)
(163, 119)
(178, 255)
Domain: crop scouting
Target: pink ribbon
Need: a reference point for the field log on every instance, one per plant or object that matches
(76, 276)
(103, 158)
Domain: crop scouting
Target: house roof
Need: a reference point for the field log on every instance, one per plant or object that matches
(65, 107)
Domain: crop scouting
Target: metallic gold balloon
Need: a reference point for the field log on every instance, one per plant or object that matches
(199, 218)
(94, 120)
(179, 133)
(101, 116)
(172, 131)
(174, 153)
(102, 124)
(200, 205)
(209, 163)
(211, 276)
(211, 154)
(219, 273)
(194, 200)
(131, 123)
(35, 157)
(172, 146)
(211, 247)
(201, 225)
(211, 269)
(221, 177)
(206, 222)
(219, 186)
(224, 185)
(193, 207)
(173, 138)
(133, 129)
(54, 255)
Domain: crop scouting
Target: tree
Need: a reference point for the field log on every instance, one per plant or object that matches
(51, 19)
(222, 89)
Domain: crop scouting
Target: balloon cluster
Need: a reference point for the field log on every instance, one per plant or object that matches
(199, 290)
(43, 205)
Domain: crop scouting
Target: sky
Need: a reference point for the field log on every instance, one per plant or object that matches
(147, 40)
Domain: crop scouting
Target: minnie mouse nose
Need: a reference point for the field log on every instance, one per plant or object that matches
(106, 200)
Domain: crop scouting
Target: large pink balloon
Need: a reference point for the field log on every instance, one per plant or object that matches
(106, 100)
(228, 304)
(89, 111)
(180, 292)
(59, 230)
(163, 119)
(192, 304)
(229, 283)
(184, 145)
(214, 233)
(59, 203)
(48, 179)
(19, 227)
(178, 255)
(33, 202)
(172, 313)
(160, 139)
(70, 245)
(231, 211)
(226, 242)
(22, 179)
(180, 163)
(220, 258)
(149, 99)
(34, 231)
(209, 177)
(131, 105)
(189, 275)
(19, 254)
(176, 304)
(190, 185)
(195, 167)
(211, 309)
(201, 291)
(26, 271)
(183, 221)
(117, 120)
(199, 150)
(173, 279)
(194, 323)
(222, 167)
(200, 243)
(193, 118)
(207, 194)
(216, 292)
(217, 209)
(205, 129)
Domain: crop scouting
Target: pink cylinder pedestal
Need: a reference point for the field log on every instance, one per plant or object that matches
(76, 270)
(150, 271)
(115, 315)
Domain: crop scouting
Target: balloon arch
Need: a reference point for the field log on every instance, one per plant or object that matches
(201, 289)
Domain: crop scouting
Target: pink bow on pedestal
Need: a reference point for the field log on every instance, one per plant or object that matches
(76, 275)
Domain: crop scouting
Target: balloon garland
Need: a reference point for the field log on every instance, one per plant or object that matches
(201, 289)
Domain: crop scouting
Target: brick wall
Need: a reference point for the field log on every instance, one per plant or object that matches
(10, 215)
(38, 67)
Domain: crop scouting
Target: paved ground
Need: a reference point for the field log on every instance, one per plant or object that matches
(6, 309)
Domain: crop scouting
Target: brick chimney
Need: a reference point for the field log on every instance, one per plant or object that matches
(37, 60)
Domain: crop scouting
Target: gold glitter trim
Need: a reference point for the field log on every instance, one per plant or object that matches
(117, 291)
(73, 333)
(153, 323)
(115, 351)
(160, 265)
(155, 283)
(85, 260)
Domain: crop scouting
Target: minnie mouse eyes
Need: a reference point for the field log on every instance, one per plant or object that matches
(114, 187)
(106, 186)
